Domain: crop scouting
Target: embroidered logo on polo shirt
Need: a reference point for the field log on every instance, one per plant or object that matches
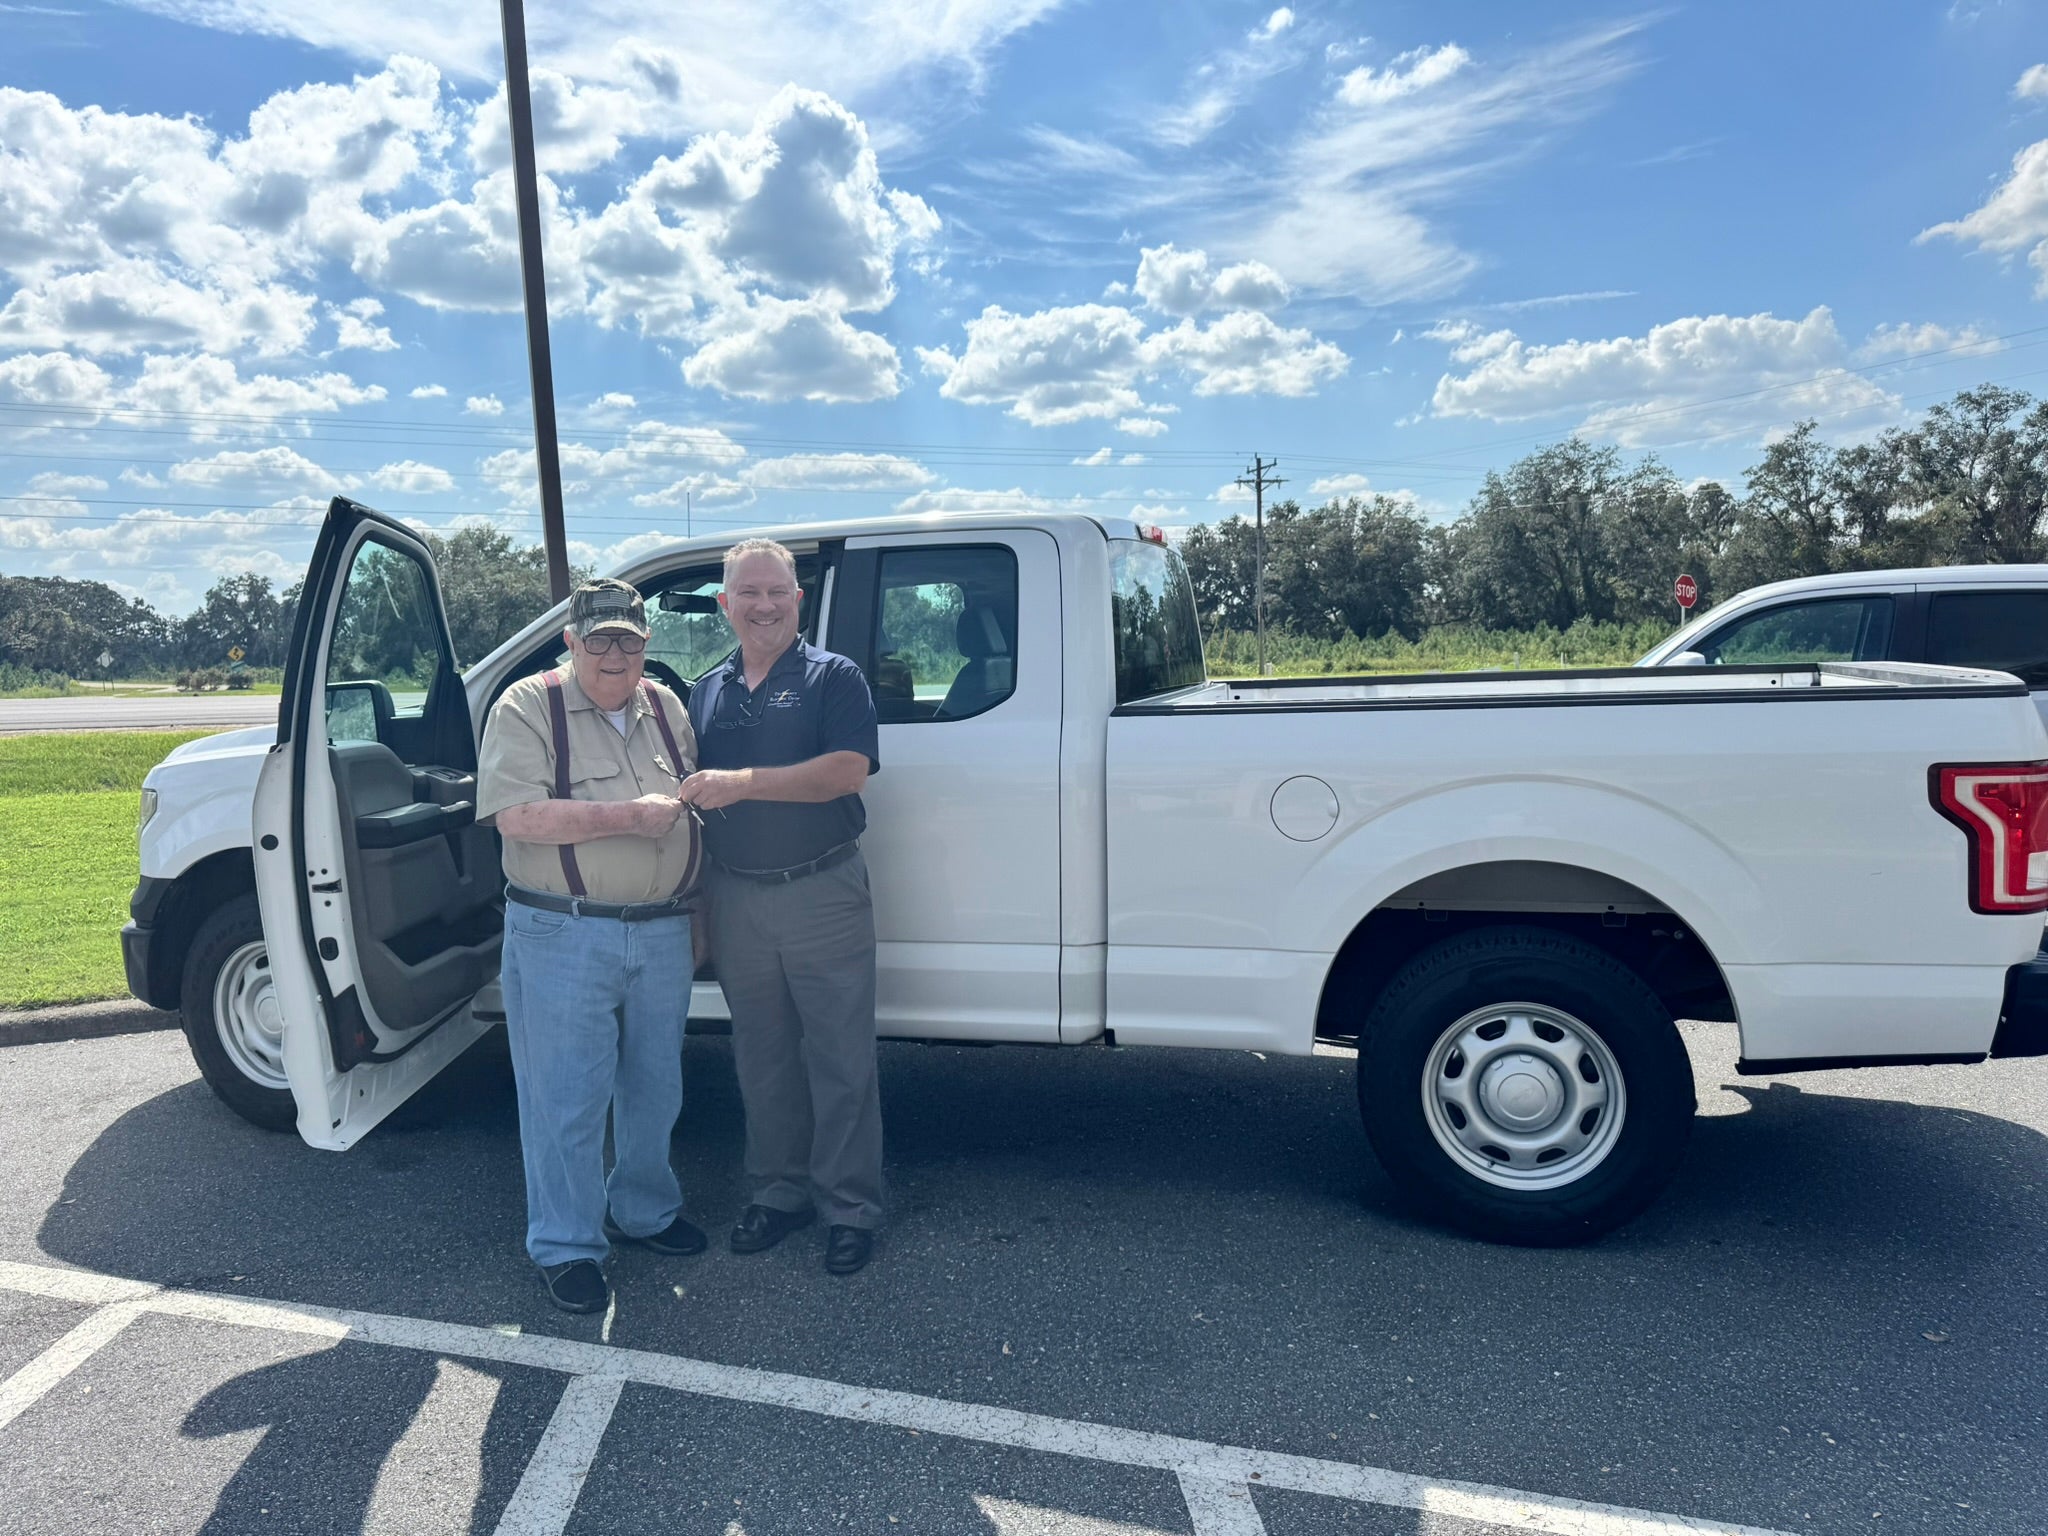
(787, 698)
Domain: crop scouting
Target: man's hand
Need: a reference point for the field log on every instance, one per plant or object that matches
(711, 789)
(655, 814)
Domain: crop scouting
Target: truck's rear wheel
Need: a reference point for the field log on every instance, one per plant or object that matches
(231, 1016)
(1525, 1086)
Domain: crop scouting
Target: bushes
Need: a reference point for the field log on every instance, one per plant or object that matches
(202, 680)
(32, 681)
(1449, 648)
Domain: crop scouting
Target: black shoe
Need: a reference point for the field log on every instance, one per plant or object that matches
(848, 1249)
(577, 1286)
(761, 1227)
(679, 1239)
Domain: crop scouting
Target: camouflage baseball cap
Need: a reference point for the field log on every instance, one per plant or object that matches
(606, 604)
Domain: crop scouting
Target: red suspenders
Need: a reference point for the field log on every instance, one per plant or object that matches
(558, 721)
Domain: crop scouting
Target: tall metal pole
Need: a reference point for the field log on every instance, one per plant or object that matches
(526, 179)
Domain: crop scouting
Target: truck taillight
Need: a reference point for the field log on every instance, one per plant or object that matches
(1152, 533)
(2003, 807)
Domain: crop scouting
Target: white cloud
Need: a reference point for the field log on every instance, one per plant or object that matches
(616, 400)
(128, 306)
(142, 479)
(2033, 85)
(54, 483)
(1701, 377)
(1908, 340)
(1352, 198)
(1177, 282)
(962, 499)
(1337, 487)
(409, 477)
(1096, 459)
(1273, 25)
(1161, 514)
(430, 392)
(355, 330)
(2014, 216)
(1245, 353)
(1052, 368)
(274, 471)
(650, 456)
(212, 396)
(777, 349)
(839, 471)
(1142, 426)
(1416, 70)
(483, 405)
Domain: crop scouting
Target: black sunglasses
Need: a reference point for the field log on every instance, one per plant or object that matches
(746, 716)
(627, 645)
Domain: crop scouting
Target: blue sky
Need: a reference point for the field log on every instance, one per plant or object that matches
(831, 260)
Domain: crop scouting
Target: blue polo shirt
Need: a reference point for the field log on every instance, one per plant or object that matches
(810, 703)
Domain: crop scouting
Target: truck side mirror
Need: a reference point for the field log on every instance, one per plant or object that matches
(358, 711)
(1686, 659)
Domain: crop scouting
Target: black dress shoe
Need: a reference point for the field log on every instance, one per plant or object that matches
(577, 1286)
(679, 1239)
(848, 1249)
(762, 1226)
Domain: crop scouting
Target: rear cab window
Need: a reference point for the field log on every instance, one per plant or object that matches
(1157, 634)
(2004, 631)
(1791, 634)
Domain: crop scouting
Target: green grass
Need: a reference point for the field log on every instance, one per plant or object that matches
(68, 861)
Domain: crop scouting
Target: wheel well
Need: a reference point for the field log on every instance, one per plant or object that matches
(1610, 914)
(199, 891)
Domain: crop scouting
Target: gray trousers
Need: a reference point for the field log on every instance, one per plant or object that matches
(797, 963)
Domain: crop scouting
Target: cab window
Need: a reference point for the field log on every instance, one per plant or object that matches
(945, 643)
(1829, 629)
(2006, 631)
(387, 649)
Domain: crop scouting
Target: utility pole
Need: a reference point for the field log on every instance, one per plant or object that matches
(689, 518)
(1257, 478)
(526, 182)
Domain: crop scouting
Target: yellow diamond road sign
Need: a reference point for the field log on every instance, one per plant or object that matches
(235, 653)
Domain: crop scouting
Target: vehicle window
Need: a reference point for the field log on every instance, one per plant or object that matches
(945, 644)
(386, 633)
(1831, 629)
(690, 634)
(1152, 610)
(2006, 631)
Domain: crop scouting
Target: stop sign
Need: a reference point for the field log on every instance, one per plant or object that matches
(1687, 591)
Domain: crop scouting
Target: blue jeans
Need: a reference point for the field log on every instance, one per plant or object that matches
(594, 1010)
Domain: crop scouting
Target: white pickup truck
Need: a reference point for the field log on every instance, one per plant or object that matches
(1503, 887)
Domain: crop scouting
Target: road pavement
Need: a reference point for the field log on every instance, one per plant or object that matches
(146, 712)
(1117, 1284)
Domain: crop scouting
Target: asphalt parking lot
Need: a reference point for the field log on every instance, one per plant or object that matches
(1124, 1292)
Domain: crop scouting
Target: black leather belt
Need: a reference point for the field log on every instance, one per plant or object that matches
(583, 906)
(825, 860)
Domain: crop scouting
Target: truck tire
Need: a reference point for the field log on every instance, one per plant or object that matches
(231, 1017)
(1525, 1086)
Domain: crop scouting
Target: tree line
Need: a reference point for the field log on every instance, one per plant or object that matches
(52, 627)
(1573, 533)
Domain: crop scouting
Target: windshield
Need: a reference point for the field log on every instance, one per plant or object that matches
(1152, 608)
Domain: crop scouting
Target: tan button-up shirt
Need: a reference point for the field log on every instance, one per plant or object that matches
(517, 766)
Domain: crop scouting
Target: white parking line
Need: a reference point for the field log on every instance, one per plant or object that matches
(25, 1388)
(1220, 1508)
(1198, 1462)
(548, 1489)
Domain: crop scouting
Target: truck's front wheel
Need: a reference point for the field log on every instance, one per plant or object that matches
(231, 1017)
(1525, 1086)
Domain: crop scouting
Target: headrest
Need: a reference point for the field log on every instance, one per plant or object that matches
(979, 634)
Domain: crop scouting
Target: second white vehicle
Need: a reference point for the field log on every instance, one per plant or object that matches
(1504, 888)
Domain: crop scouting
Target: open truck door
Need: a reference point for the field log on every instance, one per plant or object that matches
(382, 898)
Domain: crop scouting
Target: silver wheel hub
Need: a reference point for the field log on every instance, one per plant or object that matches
(1523, 1096)
(248, 1017)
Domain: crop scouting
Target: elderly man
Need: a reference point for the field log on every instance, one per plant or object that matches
(580, 770)
(787, 735)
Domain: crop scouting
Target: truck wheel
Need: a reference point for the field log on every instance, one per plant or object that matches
(231, 1016)
(1525, 1086)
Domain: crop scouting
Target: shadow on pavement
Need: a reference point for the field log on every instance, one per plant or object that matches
(1201, 1243)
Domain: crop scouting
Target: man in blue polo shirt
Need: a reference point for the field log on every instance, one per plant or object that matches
(786, 738)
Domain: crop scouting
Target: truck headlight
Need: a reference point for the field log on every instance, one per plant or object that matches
(148, 810)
